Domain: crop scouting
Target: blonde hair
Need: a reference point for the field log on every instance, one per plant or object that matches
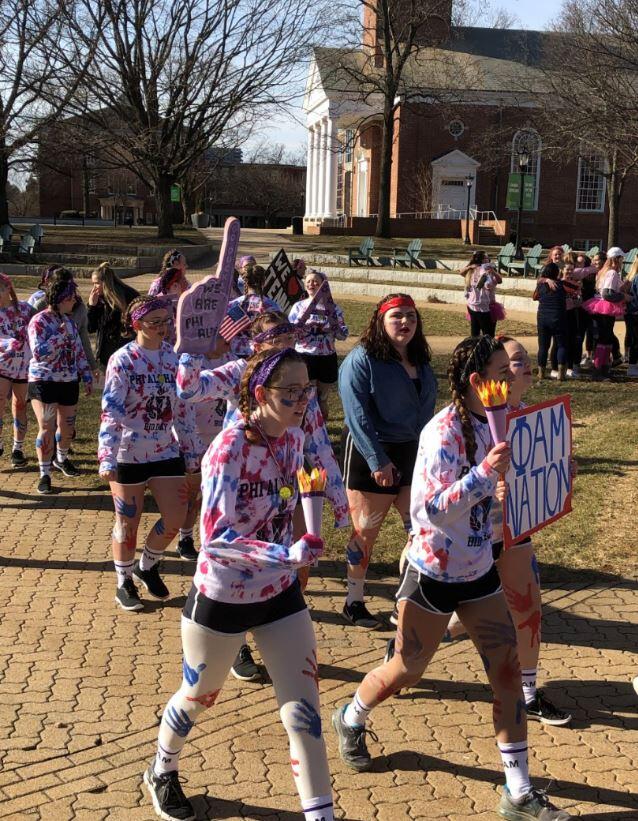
(614, 263)
(112, 287)
(632, 271)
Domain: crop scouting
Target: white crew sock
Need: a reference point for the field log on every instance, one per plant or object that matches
(123, 571)
(514, 756)
(149, 558)
(18, 445)
(165, 761)
(356, 713)
(318, 809)
(185, 533)
(355, 590)
(529, 684)
(45, 468)
(62, 454)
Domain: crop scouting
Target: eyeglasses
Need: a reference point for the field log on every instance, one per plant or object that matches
(156, 323)
(295, 394)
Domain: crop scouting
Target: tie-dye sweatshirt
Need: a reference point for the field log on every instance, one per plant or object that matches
(318, 333)
(253, 305)
(142, 419)
(451, 500)
(14, 341)
(247, 551)
(57, 354)
(197, 385)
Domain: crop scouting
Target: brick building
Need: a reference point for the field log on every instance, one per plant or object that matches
(480, 81)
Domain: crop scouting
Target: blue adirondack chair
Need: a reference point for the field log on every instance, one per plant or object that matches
(363, 253)
(505, 256)
(409, 255)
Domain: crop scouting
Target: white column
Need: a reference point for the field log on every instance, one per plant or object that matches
(309, 167)
(314, 207)
(330, 209)
(321, 186)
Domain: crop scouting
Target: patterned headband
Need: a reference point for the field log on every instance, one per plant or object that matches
(146, 308)
(66, 293)
(262, 372)
(168, 277)
(273, 333)
(479, 357)
(249, 259)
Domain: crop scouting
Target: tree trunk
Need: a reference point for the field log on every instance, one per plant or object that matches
(164, 206)
(385, 172)
(85, 187)
(189, 203)
(4, 178)
(613, 196)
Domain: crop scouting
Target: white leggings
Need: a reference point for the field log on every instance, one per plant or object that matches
(289, 650)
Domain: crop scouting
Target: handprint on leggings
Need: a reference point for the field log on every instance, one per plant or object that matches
(179, 722)
(495, 634)
(191, 674)
(308, 718)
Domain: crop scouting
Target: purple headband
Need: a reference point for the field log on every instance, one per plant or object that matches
(66, 293)
(262, 372)
(146, 307)
(273, 333)
(247, 260)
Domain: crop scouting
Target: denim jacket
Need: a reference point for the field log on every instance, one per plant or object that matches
(381, 404)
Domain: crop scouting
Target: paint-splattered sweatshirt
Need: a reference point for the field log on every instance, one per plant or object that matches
(14, 341)
(451, 500)
(204, 386)
(57, 354)
(318, 333)
(253, 305)
(141, 418)
(247, 551)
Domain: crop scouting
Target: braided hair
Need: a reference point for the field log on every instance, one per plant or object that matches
(127, 322)
(254, 276)
(472, 355)
(257, 326)
(246, 404)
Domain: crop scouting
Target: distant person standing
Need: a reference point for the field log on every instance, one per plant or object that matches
(171, 259)
(481, 297)
(107, 304)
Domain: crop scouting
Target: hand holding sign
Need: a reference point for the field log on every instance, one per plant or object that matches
(202, 308)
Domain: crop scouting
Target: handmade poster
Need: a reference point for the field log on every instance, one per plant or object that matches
(202, 308)
(539, 479)
(281, 283)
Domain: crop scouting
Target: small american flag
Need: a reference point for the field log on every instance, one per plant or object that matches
(234, 322)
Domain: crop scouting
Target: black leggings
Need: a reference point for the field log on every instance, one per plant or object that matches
(632, 335)
(574, 341)
(548, 329)
(481, 322)
(604, 332)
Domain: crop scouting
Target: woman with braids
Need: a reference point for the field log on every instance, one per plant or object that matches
(171, 259)
(388, 390)
(139, 446)
(253, 302)
(14, 365)
(208, 387)
(450, 567)
(58, 364)
(246, 579)
(107, 304)
(172, 284)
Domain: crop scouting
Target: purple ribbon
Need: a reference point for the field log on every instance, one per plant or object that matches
(262, 372)
(146, 308)
(273, 333)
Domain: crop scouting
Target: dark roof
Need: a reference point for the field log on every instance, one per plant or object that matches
(517, 45)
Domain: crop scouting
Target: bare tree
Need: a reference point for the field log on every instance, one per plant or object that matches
(482, 13)
(171, 77)
(41, 68)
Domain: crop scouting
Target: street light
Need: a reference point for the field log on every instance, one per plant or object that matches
(469, 181)
(523, 161)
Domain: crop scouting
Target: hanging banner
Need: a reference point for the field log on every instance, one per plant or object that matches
(539, 479)
(176, 193)
(514, 192)
(281, 283)
(201, 309)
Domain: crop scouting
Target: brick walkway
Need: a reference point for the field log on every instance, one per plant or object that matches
(82, 685)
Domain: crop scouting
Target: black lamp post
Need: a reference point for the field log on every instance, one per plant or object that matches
(469, 181)
(523, 160)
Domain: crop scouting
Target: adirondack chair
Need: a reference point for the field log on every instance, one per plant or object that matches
(27, 244)
(408, 255)
(528, 263)
(1, 245)
(591, 252)
(505, 256)
(362, 253)
(629, 261)
(6, 232)
(566, 248)
(37, 232)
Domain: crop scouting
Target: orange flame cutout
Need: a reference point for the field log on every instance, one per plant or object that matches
(313, 482)
(492, 393)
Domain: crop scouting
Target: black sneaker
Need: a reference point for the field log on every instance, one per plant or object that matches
(18, 459)
(359, 615)
(535, 804)
(352, 742)
(44, 485)
(542, 709)
(151, 581)
(389, 651)
(67, 467)
(244, 667)
(127, 596)
(186, 549)
(394, 616)
(168, 797)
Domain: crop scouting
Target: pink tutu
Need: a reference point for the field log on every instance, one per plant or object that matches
(597, 305)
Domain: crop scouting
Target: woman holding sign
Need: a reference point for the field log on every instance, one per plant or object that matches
(246, 579)
(450, 567)
(139, 448)
(388, 390)
(320, 322)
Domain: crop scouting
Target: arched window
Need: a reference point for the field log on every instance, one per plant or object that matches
(528, 141)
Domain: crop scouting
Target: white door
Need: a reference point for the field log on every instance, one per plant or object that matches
(452, 197)
(362, 188)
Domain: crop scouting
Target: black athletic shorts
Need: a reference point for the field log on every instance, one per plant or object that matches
(140, 474)
(443, 598)
(237, 618)
(323, 368)
(356, 471)
(50, 393)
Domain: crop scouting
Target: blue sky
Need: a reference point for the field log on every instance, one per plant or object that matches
(532, 14)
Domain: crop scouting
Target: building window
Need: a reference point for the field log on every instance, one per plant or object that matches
(587, 244)
(590, 194)
(339, 177)
(349, 146)
(527, 140)
(456, 128)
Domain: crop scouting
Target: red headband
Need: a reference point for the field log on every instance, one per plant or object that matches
(397, 302)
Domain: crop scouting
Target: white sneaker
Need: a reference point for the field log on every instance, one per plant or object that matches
(553, 374)
(636, 685)
(569, 373)
(632, 370)
(585, 362)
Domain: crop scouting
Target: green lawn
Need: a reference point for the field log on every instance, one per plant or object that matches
(92, 235)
